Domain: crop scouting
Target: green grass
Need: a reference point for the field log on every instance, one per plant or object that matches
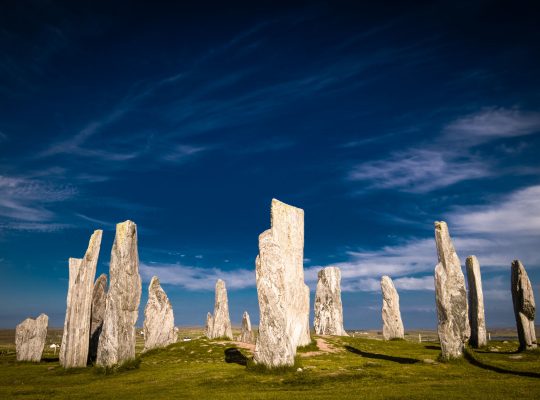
(364, 369)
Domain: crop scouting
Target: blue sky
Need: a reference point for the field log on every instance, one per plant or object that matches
(189, 119)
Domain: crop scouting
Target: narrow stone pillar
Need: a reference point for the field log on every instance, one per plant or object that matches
(221, 322)
(76, 334)
(158, 318)
(451, 296)
(117, 340)
(524, 306)
(99, 299)
(246, 334)
(477, 318)
(391, 315)
(328, 308)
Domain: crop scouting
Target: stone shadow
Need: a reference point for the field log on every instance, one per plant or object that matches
(400, 360)
(431, 347)
(233, 355)
(474, 361)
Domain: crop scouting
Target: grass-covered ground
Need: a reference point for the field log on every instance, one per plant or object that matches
(359, 367)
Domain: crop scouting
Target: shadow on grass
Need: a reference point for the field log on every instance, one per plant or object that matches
(432, 347)
(400, 360)
(233, 355)
(50, 359)
(469, 356)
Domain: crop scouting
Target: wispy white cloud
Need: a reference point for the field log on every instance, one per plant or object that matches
(196, 278)
(183, 152)
(448, 159)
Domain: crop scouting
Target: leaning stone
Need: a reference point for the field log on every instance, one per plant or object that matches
(221, 323)
(158, 318)
(76, 334)
(477, 318)
(30, 338)
(117, 340)
(451, 296)
(524, 306)
(328, 308)
(391, 315)
(99, 299)
(283, 295)
(246, 334)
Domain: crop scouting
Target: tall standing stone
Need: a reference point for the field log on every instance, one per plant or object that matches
(99, 300)
(477, 318)
(246, 334)
(524, 306)
(76, 334)
(283, 295)
(30, 338)
(328, 308)
(117, 340)
(158, 318)
(221, 322)
(391, 315)
(451, 296)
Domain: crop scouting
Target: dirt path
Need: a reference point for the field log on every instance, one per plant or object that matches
(324, 347)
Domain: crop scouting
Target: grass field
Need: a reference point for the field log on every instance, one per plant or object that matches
(354, 367)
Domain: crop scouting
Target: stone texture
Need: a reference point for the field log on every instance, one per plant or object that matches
(283, 295)
(246, 334)
(477, 318)
(99, 300)
(158, 318)
(451, 296)
(76, 334)
(524, 306)
(209, 325)
(117, 340)
(391, 315)
(328, 308)
(221, 322)
(30, 338)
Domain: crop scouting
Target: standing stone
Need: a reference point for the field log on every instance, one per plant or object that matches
(117, 340)
(524, 306)
(246, 334)
(391, 316)
(30, 338)
(328, 308)
(76, 334)
(221, 323)
(99, 299)
(477, 318)
(451, 296)
(158, 318)
(209, 325)
(283, 295)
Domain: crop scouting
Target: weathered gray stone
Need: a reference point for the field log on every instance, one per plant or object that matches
(246, 334)
(328, 308)
(391, 315)
(117, 340)
(209, 325)
(30, 338)
(158, 318)
(451, 296)
(524, 306)
(283, 295)
(477, 318)
(76, 334)
(99, 300)
(221, 322)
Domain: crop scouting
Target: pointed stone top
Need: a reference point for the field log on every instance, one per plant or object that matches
(386, 279)
(329, 271)
(208, 315)
(220, 282)
(126, 228)
(276, 204)
(245, 315)
(154, 282)
(517, 264)
(102, 277)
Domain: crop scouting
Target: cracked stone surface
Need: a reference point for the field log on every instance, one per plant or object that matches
(158, 318)
(99, 299)
(451, 296)
(76, 333)
(117, 340)
(221, 321)
(328, 318)
(30, 338)
(246, 334)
